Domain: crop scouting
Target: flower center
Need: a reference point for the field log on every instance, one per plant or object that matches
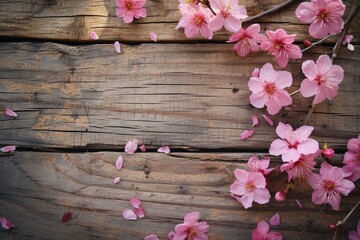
(249, 186)
(293, 145)
(225, 12)
(319, 80)
(278, 44)
(129, 6)
(329, 186)
(191, 233)
(323, 14)
(270, 88)
(199, 19)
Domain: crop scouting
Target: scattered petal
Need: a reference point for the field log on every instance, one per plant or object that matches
(171, 235)
(275, 220)
(116, 180)
(93, 36)
(350, 47)
(8, 149)
(153, 36)
(68, 215)
(131, 146)
(255, 120)
(299, 203)
(246, 134)
(10, 113)
(268, 120)
(139, 212)
(143, 148)
(135, 202)
(151, 237)
(164, 149)
(117, 47)
(6, 223)
(119, 162)
(129, 215)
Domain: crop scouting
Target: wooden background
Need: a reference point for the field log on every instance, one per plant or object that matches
(79, 102)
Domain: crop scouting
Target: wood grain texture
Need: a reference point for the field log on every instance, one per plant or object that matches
(37, 188)
(66, 20)
(89, 96)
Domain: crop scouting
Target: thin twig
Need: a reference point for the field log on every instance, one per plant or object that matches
(317, 43)
(277, 8)
(207, 4)
(340, 224)
(294, 92)
(315, 220)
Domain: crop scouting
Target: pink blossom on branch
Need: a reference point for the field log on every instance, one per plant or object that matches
(322, 79)
(249, 187)
(268, 89)
(280, 45)
(195, 19)
(329, 185)
(228, 14)
(352, 159)
(247, 40)
(324, 16)
(262, 232)
(191, 228)
(261, 166)
(130, 9)
(293, 143)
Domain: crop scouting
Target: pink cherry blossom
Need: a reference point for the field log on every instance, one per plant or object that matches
(280, 45)
(143, 148)
(228, 14)
(195, 19)
(93, 36)
(255, 120)
(247, 40)
(8, 149)
(261, 166)
(246, 134)
(324, 16)
(151, 237)
(6, 224)
(355, 235)
(347, 41)
(268, 120)
(249, 187)
(153, 36)
(302, 167)
(129, 215)
(322, 79)
(268, 89)
(164, 149)
(293, 143)
(328, 185)
(191, 228)
(131, 146)
(275, 220)
(119, 162)
(130, 9)
(117, 47)
(352, 159)
(10, 113)
(262, 232)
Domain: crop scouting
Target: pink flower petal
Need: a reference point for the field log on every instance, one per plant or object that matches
(139, 212)
(117, 47)
(164, 149)
(246, 134)
(299, 203)
(93, 36)
(151, 237)
(131, 146)
(255, 120)
(6, 223)
(129, 215)
(268, 120)
(171, 235)
(10, 113)
(275, 220)
(143, 148)
(153, 36)
(8, 149)
(119, 162)
(116, 180)
(135, 202)
(68, 215)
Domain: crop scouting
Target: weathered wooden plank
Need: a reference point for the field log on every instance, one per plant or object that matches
(88, 96)
(73, 20)
(37, 188)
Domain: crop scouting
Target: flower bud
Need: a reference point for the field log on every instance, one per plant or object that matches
(327, 153)
(281, 195)
(307, 43)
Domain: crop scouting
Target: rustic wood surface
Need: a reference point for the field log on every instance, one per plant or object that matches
(79, 102)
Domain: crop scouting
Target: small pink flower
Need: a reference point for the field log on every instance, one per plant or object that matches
(10, 113)
(131, 146)
(129, 215)
(355, 235)
(5, 223)
(7, 149)
(327, 153)
(300, 168)
(255, 120)
(347, 41)
(249, 187)
(246, 134)
(322, 79)
(328, 185)
(151, 237)
(228, 14)
(275, 220)
(191, 228)
(117, 47)
(268, 89)
(164, 149)
(130, 9)
(195, 20)
(93, 36)
(262, 232)
(293, 143)
(281, 46)
(153, 36)
(352, 159)
(325, 16)
(247, 40)
(261, 166)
